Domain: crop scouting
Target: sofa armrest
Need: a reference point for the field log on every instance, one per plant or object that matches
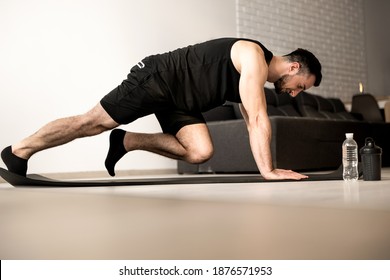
(232, 151)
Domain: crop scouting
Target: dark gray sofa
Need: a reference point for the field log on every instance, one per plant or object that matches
(307, 134)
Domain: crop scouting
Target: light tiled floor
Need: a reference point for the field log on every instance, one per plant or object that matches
(288, 220)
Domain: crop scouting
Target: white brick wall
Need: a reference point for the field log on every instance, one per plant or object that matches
(332, 29)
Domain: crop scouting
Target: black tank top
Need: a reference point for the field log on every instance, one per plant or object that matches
(200, 77)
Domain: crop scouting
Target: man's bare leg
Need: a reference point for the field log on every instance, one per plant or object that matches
(192, 143)
(56, 133)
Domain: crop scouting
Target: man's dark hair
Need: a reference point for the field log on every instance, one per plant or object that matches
(308, 62)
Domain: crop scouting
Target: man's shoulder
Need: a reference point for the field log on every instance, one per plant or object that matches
(250, 45)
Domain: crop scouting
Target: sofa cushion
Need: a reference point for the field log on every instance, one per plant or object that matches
(280, 104)
(272, 103)
(305, 104)
(315, 106)
(287, 105)
(277, 105)
(326, 108)
(224, 112)
(339, 108)
(308, 106)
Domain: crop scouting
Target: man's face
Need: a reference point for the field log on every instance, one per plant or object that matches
(294, 84)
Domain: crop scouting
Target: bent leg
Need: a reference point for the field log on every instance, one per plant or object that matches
(59, 132)
(197, 143)
(192, 143)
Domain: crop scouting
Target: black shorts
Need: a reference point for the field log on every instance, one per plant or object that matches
(142, 94)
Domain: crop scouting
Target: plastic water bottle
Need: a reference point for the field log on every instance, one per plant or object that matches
(350, 159)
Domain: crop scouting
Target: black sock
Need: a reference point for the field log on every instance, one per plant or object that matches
(14, 163)
(116, 150)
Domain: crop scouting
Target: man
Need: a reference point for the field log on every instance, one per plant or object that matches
(177, 86)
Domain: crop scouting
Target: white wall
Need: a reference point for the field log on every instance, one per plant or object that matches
(58, 58)
(378, 46)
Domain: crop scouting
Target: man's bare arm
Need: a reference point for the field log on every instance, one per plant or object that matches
(253, 68)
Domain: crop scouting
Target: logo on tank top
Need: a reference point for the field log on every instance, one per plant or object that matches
(141, 64)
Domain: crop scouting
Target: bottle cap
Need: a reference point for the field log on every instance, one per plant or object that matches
(370, 147)
(349, 135)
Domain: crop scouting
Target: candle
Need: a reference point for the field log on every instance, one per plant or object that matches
(361, 89)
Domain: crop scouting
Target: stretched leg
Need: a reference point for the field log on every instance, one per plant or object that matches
(57, 133)
(192, 143)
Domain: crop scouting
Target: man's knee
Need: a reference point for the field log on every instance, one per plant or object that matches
(95, 121)
(200, 154)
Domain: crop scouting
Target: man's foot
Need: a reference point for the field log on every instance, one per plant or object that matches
(14, 163)
(116, 150)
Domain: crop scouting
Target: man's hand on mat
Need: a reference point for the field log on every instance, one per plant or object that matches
(282, 174)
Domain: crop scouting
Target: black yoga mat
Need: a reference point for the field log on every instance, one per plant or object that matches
(35, 180)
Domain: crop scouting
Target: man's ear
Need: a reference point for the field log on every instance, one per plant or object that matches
(294, 68)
